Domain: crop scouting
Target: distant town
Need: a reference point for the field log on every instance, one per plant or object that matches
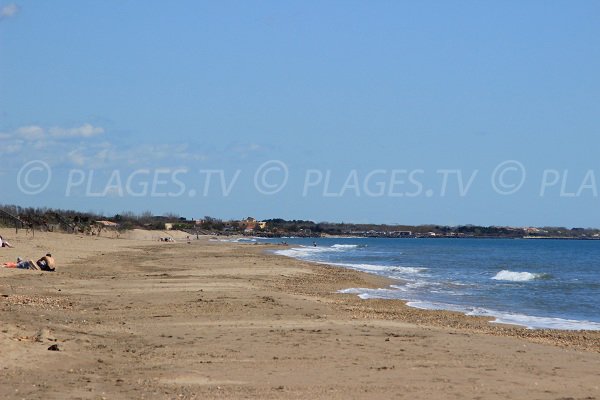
(44, 219)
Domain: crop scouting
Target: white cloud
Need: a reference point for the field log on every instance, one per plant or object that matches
(245, 150)
(76, 157)
(151, 153)
(62, 143)
(31, 132)
(36, 133)
(43, 144)
(11, 148)
(9, 10)
(84, 131)
(89, 146)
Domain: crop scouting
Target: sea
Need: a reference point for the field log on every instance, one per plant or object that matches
(538, 284)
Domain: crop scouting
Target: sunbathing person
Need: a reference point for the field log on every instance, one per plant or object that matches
(20, 264)
(23, 264)
(46, 263)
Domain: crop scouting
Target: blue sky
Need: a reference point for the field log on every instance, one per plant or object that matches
(345, 97)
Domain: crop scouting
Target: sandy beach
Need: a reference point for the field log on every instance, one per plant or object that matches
(136, 318)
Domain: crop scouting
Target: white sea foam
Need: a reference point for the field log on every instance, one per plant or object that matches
(546, 323)
(408, 270)
(235, 240)
(302, 252)
(344, 246)
(533, 322)
(306, 252)
(378, 267)
(360, 267)
(429, 305)
(512, 276)
(296, 252)
(421, 284)
(365, 293)
(528, 321)
(352, 290)
(311, 253)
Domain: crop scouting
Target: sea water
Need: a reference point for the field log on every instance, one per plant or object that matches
(534, 283)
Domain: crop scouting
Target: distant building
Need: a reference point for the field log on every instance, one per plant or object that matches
(534, 230)
(251, 224)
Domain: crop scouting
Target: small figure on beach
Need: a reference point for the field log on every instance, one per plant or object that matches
(315, 244)
(4, 243)
(46, 263)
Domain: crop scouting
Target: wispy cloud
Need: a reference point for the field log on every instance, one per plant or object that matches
(245, 150)
(37, 133)
(30, 132)
(8, 11)
(91, 146)
(77, 157)
(98, 155)
(87, 146)
(58, 141)
(84, 131)
(150, 154)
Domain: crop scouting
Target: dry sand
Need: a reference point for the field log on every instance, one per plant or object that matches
(137, 319)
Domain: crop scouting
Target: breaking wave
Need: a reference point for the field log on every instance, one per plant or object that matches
(512, 276)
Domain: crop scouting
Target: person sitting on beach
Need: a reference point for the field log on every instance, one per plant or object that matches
(4, 243)
(46, 263)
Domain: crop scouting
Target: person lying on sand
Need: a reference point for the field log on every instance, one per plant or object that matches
(20, 264)
(24, 264)
(45, 263)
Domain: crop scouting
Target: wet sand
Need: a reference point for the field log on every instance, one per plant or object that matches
(139, 319)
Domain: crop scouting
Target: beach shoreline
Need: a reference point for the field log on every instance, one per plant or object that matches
(397, 309)
(139, 318)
